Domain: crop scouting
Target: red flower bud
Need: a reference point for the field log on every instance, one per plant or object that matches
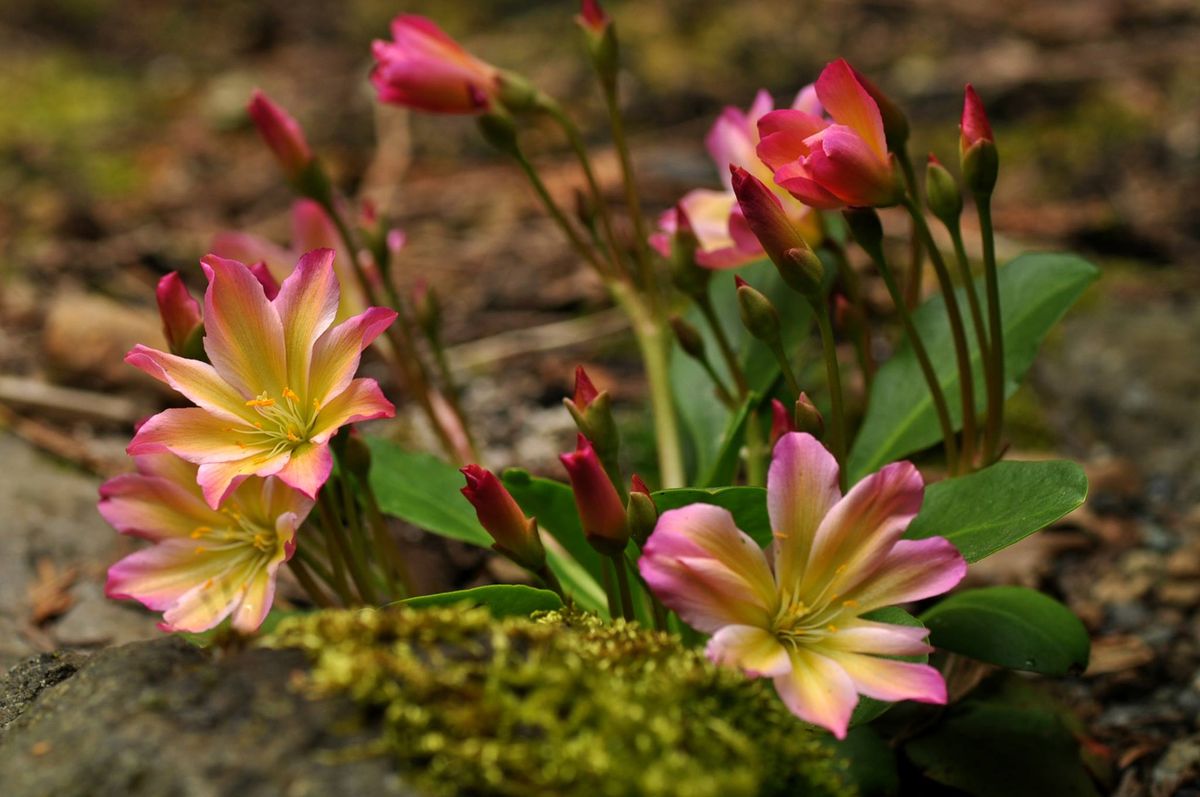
(975, 126)
(766, 218)
(181, 314)
(596, 499)
(515, 534)
(636, 485)
(282, 134)
(585, 391)
(424, 68)
(781, 421)
(592, 17)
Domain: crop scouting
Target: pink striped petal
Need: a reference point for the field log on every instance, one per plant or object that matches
(707, 570)
(802, 487)
(218, 479)
(751, 649)
(882, 639)
(797, 181)
(153, 508)
(783, 136)
(911, 571)
(206, 604)
(307, 303)
(337, 352)
(192, 433)
(849, 104)
(307, 469)
(819, 691)
(195, 379)
(243, 334)
(860, 530)
(890, 680)
(362, 400)
(847, 168)
(160, 575)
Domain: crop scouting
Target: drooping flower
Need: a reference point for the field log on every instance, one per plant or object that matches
(280, 384)
(424, 68)
(725, 241)
(799, 619)
(205, 564)
(831, 164)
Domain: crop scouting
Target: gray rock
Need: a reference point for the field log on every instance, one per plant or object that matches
(165, 719)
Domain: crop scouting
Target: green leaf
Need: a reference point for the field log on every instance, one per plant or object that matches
(870, 762)
(990, 749)
(1014, 627)
(553, 505)
(702, 416)
(748, 505)
(1035, 291)
(989, 510)
(503, 600)
(423, 490)
(724, 468)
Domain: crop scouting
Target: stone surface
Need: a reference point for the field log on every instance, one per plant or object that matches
(165, 719)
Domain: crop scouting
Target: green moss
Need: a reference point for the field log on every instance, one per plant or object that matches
(559, 705)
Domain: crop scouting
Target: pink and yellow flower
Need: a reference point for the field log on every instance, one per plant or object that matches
(205, 564)
(280, 383)
(424, 68)
(724, 238)
(832, 164)
(798, 619)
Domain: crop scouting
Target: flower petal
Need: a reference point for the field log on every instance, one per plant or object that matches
(362, 400)
(207, 604)
(819, 691)
(337, 352)
(797, 181)
(307, 303)
(891, 680)
(882, 639)
(707, 570)
(802, 487)
(243, 334)
(153, 508)
(194, 434)
(847, 168)
(307, 469)
(783, 136)
(911, 571)
(160, 575)
(845, 99)
(218, 479)
(751, 649)
(196, 380)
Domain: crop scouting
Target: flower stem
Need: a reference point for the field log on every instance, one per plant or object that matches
(995, 404)
(853, 288)
(300, 565)
(833, 376)
(337, 532)
(623, 584)
(547, 577)
(916, 272)
(560, 218)
(756, 453)
(727, 352)
(977, 321)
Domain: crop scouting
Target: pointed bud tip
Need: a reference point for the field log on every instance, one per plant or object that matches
(585, 390)
(975, 126)
(637, 485)
(739, 282)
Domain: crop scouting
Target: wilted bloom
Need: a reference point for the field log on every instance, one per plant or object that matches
(798, 619)
(424, 68)
(596, 499)
(828, 164)
(724, 239)
(205, 564)
(515, 534)
(280, 384)
(181, 319)
(282, 134)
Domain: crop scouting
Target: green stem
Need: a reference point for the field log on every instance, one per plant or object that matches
(335, 576)
(977, 321)
(397, 571)
(995, 403)
(862, 338)
(789, 375)
(916, 272)
(833, 376)
(627, 610)
(556, 213)
(547, 577)
(756, 453)
(301, 569)
(962, 354)
(337, 532)
(727, 352)
(606, 577)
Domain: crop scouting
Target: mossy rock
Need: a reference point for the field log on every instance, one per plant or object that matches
(563, 704)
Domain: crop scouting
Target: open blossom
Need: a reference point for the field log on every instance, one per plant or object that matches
(799, 619)
(424, 68)
(831, 164)
(205, 564)
(725, 241)
(280, 384)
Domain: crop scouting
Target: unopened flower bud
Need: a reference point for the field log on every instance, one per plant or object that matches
(781, 421)
(596, 499)
(808, 418)
(638, 485)
(515, 534)
(592, 411)
(282, 134)
(601, 38)
(941, 191)
(183, 324)
(499, 130)
(977, 146)
(641, 512)
(797, 264)
(759, 316)
(689, 338)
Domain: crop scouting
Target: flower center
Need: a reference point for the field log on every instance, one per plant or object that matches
(239, 531)
(285, 421)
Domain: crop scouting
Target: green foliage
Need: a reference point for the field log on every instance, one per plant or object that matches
(989, 510)
(564, 705)
(502, 600)
(1035, 291)
(1014, 627)
(724, 467)
(748, 505)
(553, 505)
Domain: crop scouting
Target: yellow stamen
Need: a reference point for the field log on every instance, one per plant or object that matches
(261, 402)
(291, 435)
(200, 531)
(288, 393)
(832, 628)
(851, 603)
(199, 550)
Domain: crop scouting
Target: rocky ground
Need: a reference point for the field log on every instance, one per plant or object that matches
(132, 151)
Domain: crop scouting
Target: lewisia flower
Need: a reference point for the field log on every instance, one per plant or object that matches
(831, 164)
(799, 620)
(424, 68)
(725, 240)
(280, 384)
(282, 134)
(205, 564)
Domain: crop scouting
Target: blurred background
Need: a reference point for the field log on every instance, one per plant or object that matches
(125, 147)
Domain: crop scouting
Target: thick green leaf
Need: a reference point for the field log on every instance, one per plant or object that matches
(870, 762)
(748, 505)
(503, 600)
(989, 510)
(553, 504)
(989, 749)
(1035, 291)
(704, 417)
(424, 491)
(1014, 627)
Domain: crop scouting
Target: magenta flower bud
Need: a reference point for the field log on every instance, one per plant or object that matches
(423, 68)
(637, 485)
(282, 134)
(182, 321)
(977, 146)
(975, 126)
(585, 391)
(781, 421)
(765, 216)
(515, 534)
(592, 17)
(596, 499)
